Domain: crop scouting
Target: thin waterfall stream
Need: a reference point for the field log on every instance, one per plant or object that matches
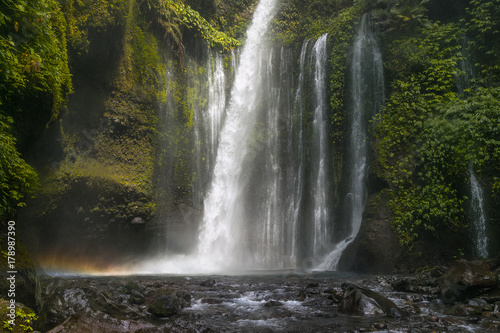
(367, 86)
(478, 217)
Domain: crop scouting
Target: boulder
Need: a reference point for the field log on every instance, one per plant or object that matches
(61, 305)
(137, 221)
(365, 302)
(208, 283)
(466, 279)
(18, 312)
(165, 305)
(89, 321)
(376, 248)
(28, 288)
(79, 299)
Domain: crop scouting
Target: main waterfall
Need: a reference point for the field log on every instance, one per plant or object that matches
(221, 243)
(263, 161)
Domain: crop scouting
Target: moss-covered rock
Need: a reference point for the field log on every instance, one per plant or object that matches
(28, 289)
(16, 317)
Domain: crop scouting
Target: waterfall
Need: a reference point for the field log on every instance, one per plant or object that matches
(263, 158)
(216, 102)
(208, 121)
(321, 232)
(296, 159)
(367, 88)
(221, 244)
(478, 217)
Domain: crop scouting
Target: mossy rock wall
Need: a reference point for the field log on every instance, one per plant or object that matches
(97, 194)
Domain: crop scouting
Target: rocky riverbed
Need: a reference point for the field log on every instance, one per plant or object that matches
(462, 298)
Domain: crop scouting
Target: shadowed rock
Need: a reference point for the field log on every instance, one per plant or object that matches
(466, 279)
(360, 301)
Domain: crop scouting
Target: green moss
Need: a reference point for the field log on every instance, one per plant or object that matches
(24, 318)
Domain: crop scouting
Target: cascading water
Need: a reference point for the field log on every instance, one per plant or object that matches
(267, 200)
(208, 122)
(220, 241)
(367, 87)
(216, 101)
(321, 216)
(295, 161)
(478, 217)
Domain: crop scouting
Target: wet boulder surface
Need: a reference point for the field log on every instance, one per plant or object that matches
(268, 302)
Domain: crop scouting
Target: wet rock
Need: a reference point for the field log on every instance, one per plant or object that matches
(8, 309)
(165, 306)
(301, 297)
(363, 301)
(185, 298)
(478, 302)
(465, 279)
(208, 283)
(28, 287)
(130, 286)
(307, 293)
(410, 310)
(376, 248)
(137, 298)
(271, 304)
(464, 310)
(89, 321)
(379, 325)
(336, 299)
(212, 301)
(405, 286)
(63, 304)
(137, 221)
(432, 318)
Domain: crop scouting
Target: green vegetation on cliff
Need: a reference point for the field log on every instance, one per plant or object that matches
(34, 84)
(440, 121)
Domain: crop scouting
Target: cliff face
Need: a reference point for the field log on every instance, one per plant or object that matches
(123, 158)
(125, 143)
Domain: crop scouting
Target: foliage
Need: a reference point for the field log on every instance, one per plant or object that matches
(298, 20)
(173, 16)
(85, 18)
(483, 31)
(429, 135)
(232, 16)
(17, 178)
(25, 318)
(341, 34)
(146, 67)
(33, 57)
(34, 83)
(412, 160)
(393, 15)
